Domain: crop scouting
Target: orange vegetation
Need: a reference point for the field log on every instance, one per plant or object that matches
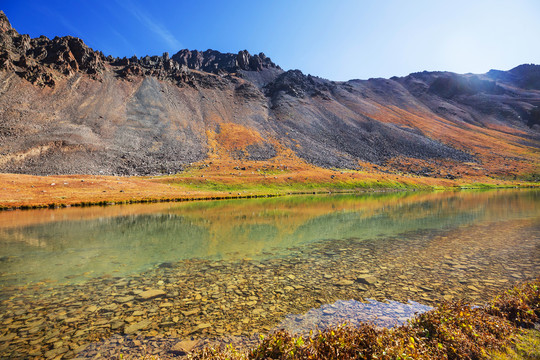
(223, 175)
(498, 148)
(236, 137)
(223, 178)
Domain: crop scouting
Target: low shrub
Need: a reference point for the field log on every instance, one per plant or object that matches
(454, 330)
(520, 305)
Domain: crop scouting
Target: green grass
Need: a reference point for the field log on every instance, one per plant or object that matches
(295, 186)
(499, 186)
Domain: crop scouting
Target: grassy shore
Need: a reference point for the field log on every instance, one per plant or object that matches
(218, 181)
(503, 329)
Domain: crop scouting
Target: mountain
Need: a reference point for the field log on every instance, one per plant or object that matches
(66, 108)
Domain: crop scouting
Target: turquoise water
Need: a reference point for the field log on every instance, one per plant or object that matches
(71, 248)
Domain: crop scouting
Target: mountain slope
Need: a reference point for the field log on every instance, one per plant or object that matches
(65, 108)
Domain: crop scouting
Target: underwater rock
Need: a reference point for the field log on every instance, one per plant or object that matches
(151, 294)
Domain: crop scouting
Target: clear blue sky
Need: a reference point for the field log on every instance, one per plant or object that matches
(338, 40)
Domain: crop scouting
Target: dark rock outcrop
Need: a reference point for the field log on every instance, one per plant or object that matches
(5, 25)
(294, 83)
(452, 85)
(215, 62)
(526, 76)
(33, 60)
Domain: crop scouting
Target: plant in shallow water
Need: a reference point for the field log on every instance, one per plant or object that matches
(459, 331)
(451, 331)
(520, 305)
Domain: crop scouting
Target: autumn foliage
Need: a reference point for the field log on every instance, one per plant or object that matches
(454, 330)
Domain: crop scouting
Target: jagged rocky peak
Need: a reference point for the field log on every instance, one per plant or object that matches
(43, 61)
(4, 22)
(259, 62)
(214, 61)
(70, 54)
(33, 59)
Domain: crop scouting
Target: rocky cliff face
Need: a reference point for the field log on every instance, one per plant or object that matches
(65, 108)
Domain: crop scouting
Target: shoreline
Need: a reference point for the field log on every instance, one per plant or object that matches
(24, 192)
(218, 197)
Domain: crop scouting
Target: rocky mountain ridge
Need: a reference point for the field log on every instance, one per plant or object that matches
(33, 59)
(65, 108)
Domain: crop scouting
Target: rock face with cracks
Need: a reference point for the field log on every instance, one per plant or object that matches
(66, 108)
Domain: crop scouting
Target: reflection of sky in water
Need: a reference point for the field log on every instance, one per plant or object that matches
(354, 313)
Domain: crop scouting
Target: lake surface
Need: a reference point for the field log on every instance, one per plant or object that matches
(78, 282)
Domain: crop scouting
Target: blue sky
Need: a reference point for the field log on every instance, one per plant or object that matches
(338, 40)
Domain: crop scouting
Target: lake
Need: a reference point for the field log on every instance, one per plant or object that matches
(81, 282)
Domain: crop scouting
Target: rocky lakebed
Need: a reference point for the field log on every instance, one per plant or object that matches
(177, 306)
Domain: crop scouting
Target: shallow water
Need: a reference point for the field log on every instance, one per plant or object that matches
(354, 313)
(69, 277)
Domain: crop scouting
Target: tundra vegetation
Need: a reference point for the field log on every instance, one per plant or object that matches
(502, 329)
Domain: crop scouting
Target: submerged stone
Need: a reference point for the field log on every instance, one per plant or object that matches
(344, 282)
(124, 299)
(183, 347)
(141, 325)
(368, 280)
(151, 294)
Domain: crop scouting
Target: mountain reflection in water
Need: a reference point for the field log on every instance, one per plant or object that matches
(71, 245)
